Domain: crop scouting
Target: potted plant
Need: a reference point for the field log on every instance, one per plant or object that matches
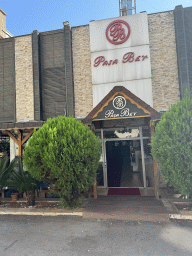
(22, 181)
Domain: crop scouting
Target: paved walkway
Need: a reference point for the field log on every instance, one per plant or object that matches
(130, 208)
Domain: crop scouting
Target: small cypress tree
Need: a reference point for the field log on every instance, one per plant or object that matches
(172, 145)
(64, 152)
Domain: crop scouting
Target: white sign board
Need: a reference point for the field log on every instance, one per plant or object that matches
(141, 88)
(138, 32)
(120, 55)
(121, 65)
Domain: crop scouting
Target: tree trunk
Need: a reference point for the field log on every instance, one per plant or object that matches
(30, 196)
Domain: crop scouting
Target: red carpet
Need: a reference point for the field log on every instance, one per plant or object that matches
(124, 192)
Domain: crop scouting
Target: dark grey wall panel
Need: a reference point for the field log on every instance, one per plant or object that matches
(56, 73)
(36, 88)
(53, 73)
(1, 81)
(188, 35)
(7, 81)
(183, 33)
(69, 71)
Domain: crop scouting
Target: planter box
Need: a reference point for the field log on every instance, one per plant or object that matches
(176, 195)
(14, 197)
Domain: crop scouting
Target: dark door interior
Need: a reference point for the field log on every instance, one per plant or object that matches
(118, 158)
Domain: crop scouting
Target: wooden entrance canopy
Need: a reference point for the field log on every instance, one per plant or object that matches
(130, 106)
(139, 107)
(18, 129)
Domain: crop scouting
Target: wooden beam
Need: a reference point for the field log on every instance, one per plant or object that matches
(12, 137)
(20, 144)
(92, 127)
(95, 182)
(20, 141)
(27, 137)
(95, 189)
(24, 128)
(155, 167)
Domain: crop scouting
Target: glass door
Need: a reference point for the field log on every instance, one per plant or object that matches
(123, 158)
(124, 163)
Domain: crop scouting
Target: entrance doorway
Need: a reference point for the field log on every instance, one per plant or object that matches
(125, 161)
(124, 165)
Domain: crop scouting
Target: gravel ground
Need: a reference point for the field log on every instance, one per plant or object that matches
(184, 207)
(11, 204)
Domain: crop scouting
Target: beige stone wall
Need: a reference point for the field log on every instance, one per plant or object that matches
(82, 71)
(24, 78)
(165, 82)
(2, 24)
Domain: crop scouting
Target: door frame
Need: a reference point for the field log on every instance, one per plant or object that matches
(104, 157)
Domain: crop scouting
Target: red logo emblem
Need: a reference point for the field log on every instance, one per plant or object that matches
(118, 32)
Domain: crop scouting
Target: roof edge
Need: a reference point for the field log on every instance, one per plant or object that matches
(122, 89)
(3, 12)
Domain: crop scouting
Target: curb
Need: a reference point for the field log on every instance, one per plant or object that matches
(43, 213)
(130, 217)
(180, 217)
(174, 213)
(171, 208)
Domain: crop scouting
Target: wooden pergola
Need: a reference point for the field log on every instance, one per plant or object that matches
(16, 131)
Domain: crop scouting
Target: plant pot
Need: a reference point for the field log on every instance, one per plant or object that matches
(30, 197)
(14, 196)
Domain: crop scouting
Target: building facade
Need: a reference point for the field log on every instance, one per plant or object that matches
(117, 74)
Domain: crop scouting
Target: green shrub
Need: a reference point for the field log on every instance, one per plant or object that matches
(6, 170)
(172, 145)
(5, 146)
(65, 153)
(21, 180)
